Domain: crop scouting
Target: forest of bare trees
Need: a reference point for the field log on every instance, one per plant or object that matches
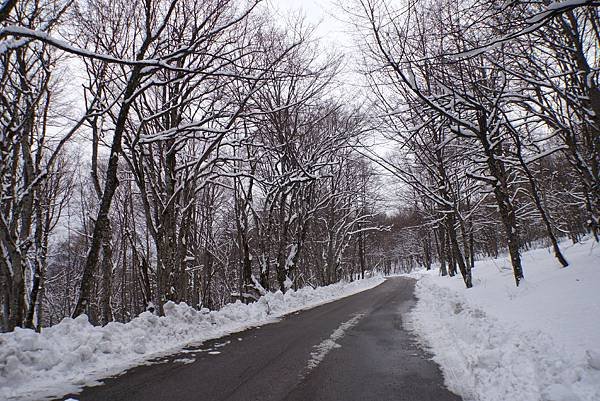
(494, 109)
(206, 152)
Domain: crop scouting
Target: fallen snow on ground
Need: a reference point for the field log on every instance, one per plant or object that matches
(497, 342)
(73, 353)
(322, 349)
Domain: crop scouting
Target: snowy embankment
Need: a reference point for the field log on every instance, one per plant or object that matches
(65, 357)
(537, 342)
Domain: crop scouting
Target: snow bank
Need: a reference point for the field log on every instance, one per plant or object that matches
(496, 342)
(73, 353)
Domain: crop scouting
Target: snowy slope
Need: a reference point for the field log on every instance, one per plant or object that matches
(65, 357)
(538, 342)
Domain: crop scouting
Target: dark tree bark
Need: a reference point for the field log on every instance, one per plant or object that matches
(102, 224)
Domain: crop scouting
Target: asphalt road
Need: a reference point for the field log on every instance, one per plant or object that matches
(373, 359)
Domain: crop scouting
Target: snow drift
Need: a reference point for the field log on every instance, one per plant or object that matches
(73, 353)
(537, 342)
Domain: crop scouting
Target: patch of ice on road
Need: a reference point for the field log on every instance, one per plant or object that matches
(185, 361)
(322, 349)
(189, 351)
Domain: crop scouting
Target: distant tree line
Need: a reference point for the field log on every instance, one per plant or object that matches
(494, 108)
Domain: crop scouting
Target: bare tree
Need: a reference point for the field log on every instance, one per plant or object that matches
(28, 152)
(421, 53)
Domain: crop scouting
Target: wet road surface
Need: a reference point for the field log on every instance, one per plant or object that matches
(352, 349)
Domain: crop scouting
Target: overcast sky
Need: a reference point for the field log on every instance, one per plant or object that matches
(321, 13)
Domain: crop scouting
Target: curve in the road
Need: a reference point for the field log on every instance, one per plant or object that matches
(352, 349)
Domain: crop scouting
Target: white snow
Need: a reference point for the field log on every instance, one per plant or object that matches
(323, 348)
(288, 283)
(73, 353)
(497, 342)
(185, 361)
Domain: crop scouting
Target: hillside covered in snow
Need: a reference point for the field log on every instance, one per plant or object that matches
(536, 342)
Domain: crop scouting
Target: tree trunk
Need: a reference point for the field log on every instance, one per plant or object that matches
(465, 270)
(101, 225)
(361, 254)
(107, 266)
(538, 203)
(439, 243)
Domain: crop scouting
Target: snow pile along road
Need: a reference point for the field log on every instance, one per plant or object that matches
(496, 342)
(65, 357)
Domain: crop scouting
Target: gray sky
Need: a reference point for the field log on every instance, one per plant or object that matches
(320, 13)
